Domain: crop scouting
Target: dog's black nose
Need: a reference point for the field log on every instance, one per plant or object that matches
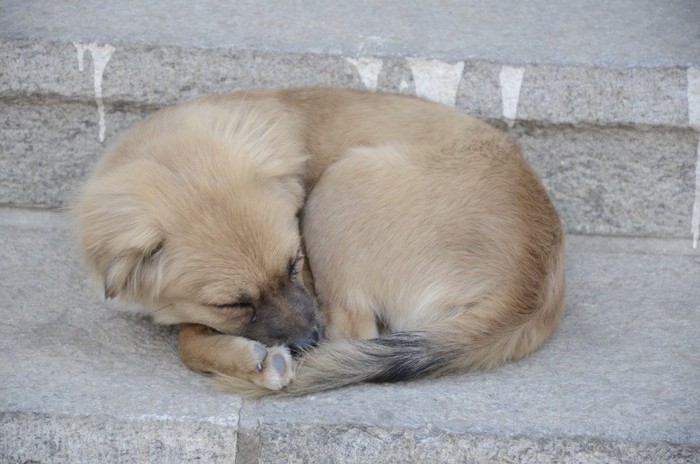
(305, 342)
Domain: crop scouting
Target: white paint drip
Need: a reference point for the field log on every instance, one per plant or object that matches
(436, 80)
(369, 69)
(694, 121)
(100, 58)
(511, 80)
(695, 225)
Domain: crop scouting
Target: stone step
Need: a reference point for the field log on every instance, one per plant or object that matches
(84, 380)
(604, 98)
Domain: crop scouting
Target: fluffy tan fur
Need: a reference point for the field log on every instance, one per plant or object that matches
(431, 245)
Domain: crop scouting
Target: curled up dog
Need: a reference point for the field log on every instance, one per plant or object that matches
(306, 239)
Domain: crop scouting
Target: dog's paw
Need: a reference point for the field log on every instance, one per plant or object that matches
(274, 366)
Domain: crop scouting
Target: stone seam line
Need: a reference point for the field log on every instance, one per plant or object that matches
(694, 122)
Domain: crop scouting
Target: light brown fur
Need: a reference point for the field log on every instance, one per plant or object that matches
(427, 235)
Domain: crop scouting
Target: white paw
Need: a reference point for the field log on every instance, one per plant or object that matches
(274, 366)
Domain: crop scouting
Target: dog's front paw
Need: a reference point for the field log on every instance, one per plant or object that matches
(274, 366)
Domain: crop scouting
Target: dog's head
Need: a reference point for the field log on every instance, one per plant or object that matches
(201, 232)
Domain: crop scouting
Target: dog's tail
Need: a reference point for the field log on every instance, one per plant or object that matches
(391, 358)
(410, 355)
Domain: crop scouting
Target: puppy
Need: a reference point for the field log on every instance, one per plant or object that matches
(376, 237)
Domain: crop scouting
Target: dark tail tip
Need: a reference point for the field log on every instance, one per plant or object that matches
(406, 356)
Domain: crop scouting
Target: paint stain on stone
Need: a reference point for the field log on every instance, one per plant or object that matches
(100, 57)
(436, 80)
(368, 69)
(511, 80)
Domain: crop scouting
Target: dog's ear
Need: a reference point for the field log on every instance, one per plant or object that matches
(133, 275)
(120, 240)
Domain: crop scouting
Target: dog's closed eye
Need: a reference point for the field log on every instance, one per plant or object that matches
(236, 305)
(242, 302)
(237, 309)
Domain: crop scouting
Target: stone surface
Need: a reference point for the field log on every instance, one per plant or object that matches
(49, 146)
(160, 75)
(574, 95)
(614, 181)
(44, 438)
(87, 381)
(602, 112)
(592, 32)
(329, 444)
